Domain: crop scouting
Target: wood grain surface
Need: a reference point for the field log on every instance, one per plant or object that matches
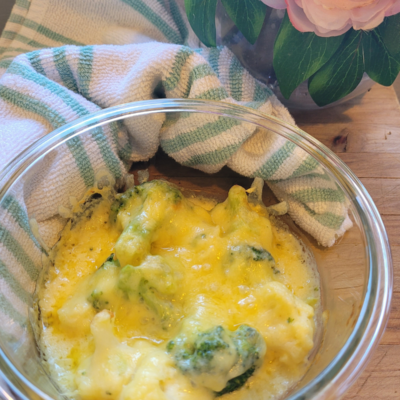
(365, 133)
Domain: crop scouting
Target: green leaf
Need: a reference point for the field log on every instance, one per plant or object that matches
(389, 30)
(299, 55)
(380, 65)
(341, 74)
(201, 16)
(248, 16)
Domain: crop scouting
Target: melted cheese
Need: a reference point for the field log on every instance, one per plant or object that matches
(177, 270)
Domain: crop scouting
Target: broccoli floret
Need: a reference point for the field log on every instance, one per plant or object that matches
(163, 308)
(247, 342)
(98, 300)
(250, 264)
(236, 383)
(156, 201)
(219, 359)
(260, 254)
(153, 282)
(155, 270)
(110, 259)
(246, 252)
(123, 199)
(135, 241)
(199, 357)
(102, 284)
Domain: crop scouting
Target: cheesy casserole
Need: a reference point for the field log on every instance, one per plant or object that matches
(150, 295)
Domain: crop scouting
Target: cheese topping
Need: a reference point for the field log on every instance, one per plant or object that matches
(151, 296)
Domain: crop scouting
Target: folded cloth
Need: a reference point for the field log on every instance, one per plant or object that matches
(42, 90)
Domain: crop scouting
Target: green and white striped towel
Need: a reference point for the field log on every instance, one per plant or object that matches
(63, 59)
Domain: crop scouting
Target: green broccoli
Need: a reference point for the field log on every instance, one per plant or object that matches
(125, 199)
(236, 383)
(102, 284)
(163, 308)
(109, 259)
(156, 200)
(247, 342)
(153, 282)
(248, 263)
(245, 252)
(199, 357)
(98, 300)
(219, 359)
(134, 242)
(260, 254)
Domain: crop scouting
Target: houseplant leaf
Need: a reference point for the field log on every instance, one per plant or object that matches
(201, 16)
(389, 30)
(380, 65)
(248, 16)
(299, 55)
(341, 74)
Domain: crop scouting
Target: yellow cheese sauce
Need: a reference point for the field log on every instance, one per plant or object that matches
(149, 295)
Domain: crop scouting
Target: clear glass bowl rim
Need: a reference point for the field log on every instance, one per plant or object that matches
(343, 370)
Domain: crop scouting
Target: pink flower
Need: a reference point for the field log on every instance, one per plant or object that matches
(334, 17)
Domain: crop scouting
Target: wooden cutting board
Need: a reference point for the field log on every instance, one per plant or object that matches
(365, 134)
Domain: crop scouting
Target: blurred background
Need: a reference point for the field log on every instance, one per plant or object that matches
(6, 6)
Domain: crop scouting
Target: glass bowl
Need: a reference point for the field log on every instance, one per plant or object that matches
(356, 273)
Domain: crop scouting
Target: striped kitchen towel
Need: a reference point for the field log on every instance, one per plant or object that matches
(46, 86)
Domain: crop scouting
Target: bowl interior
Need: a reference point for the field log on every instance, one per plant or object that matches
(355, 273)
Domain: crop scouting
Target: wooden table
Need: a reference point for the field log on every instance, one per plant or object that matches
(365, 133)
